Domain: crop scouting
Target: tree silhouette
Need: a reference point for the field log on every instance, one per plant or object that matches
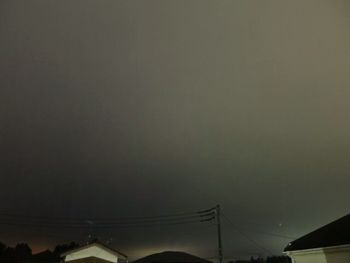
(59, 249)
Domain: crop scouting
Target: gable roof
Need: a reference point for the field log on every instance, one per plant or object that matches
(97, 244)
(336, 233)
(171, 257)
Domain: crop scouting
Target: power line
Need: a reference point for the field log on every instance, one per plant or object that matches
(271, 234)
(246, 236)
(160, 217)
(163, 220)
(101, 226)
(200, 217)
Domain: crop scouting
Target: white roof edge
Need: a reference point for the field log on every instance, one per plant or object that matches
(114, 252)
(315, 250)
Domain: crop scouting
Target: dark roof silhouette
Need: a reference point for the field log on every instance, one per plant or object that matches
(171, 257)
(334, 234)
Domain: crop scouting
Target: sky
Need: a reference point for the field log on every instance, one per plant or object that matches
(141, 108)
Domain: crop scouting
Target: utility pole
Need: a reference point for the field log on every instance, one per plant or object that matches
(218, 222)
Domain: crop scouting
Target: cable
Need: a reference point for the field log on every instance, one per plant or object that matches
(252, 228)
(128, 219)
(247, 237)
(271, 234)
(102, 226)
(184, 218)
(165, 220)
(88, 223)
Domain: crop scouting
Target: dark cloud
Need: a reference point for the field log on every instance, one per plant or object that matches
(122, 108)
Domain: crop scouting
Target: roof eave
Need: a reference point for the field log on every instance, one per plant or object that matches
(317, 250)
(94, 244)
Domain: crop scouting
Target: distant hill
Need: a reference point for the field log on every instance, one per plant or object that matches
(171, 257)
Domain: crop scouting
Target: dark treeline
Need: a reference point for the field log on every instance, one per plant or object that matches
(22, 253)
(272, 259)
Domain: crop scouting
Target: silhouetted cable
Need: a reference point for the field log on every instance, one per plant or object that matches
(88, 223)
(246, 236)
(111, 219)
(40, 220)
(101, 226)
(253, 226)
(184, 218)
(271, 234)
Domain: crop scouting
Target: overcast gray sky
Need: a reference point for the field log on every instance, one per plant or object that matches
(128, 108)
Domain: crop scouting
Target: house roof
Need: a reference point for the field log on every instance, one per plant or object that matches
(333, 234)
(171, 257)
(98, 244)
